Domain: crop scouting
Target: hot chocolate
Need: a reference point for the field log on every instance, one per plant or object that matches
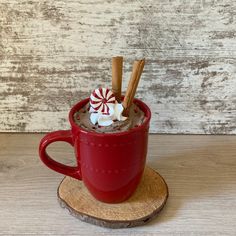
(136, 118)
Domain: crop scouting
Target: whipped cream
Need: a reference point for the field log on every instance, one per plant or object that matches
(106, 119)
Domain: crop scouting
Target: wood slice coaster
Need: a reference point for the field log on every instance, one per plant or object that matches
(147, 201)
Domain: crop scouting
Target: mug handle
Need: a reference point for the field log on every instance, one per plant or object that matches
(60, 135)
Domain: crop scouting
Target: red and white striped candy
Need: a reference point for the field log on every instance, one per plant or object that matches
(101, 98)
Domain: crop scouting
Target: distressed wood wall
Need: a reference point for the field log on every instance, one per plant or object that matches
(54, 52)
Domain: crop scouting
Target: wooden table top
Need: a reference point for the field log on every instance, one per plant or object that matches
(199, 170)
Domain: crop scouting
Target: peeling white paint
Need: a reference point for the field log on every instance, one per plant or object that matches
(53, 53)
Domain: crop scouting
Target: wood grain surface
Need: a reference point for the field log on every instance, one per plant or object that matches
(200, 172)
(53, 53)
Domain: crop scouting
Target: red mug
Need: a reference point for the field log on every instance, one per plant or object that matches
(110, 164)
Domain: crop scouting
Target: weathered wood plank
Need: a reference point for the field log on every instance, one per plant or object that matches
(53, 53)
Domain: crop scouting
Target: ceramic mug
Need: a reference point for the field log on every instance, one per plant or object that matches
(110, 164)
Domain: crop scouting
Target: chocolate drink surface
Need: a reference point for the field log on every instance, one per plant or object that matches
(136, 118)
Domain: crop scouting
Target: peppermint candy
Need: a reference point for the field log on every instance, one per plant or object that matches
(101, 99)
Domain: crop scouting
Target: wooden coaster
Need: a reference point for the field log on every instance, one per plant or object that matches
(147, 201)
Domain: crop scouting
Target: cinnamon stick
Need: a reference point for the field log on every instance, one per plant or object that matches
(132, 86)
(117, 64)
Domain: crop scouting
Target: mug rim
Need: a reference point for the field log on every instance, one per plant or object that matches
(143, 106)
